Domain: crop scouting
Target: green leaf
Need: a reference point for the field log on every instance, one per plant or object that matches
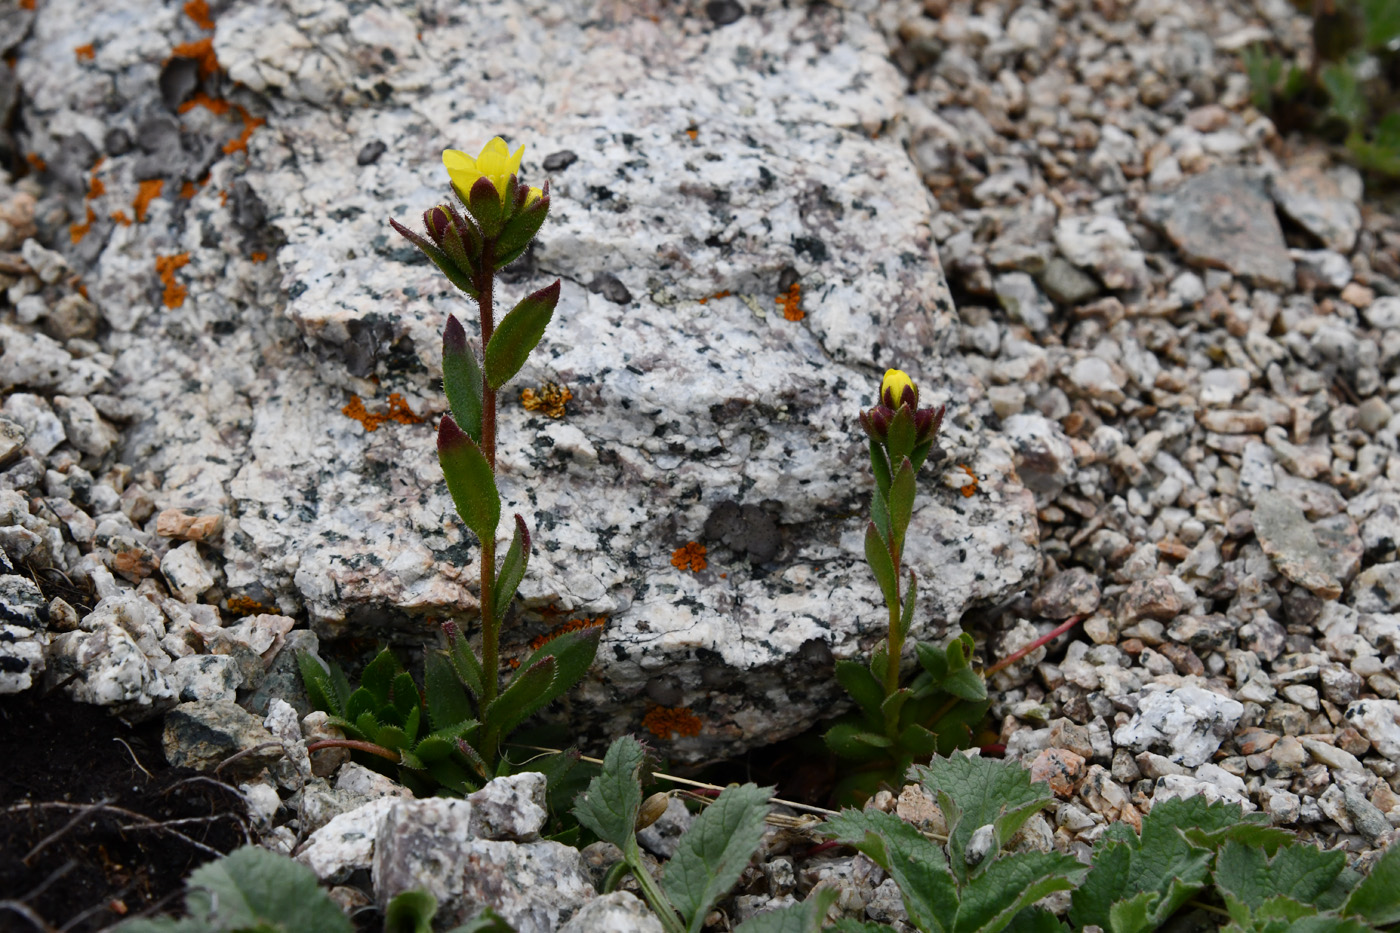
(880, 466)
(393, 737)
(1345, 99)
(518, 334)
(911, 595)
(877, 556)
(461, 378)
(903, 434)
(1382, 19)
(984, 791)
(880, 514)
(997, 894)
(609, 806)
(512, 570)
(806, 917)
(410, 912)
(901, 500)
(378, 676)
(917, 741)
(521, 229)
(1135, 914)
(252, 887)
(573, 654)
(361, 703)
(932, 659)
(854, 741)
(319, 687)
(448, 703)
(862, 686)
(1036, 920)
(917, 865)
(469, 479)
(1299, 871)
(519, 697)
(715, 850)
(465, 662)
(488, 921)
(1374, 899)
(1163, 864)
(405, 694)
(962, 680)
(440, 259)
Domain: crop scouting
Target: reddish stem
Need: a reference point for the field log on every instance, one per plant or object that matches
(1059, 630)
(368, 747)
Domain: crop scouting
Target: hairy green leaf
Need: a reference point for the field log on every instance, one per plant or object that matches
(510, 708)
(805, 917)
(378, 676)
(319, 687)
(917, 865)
(854, 741)
(461, 379)
(448, 703)
(518, 334)
(862, 686)
(877, 555)
(609, 806)
(1036, 920)
(465, 662)
(1298, 871)
(512, 570)
(989, 901)
(715, 850)
(470, 480)
(1375, 899)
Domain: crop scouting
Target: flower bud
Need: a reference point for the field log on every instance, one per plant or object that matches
(898, 389)
(652, 809)
(437, 220)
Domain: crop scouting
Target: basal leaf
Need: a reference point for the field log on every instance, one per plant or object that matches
(488, 921)
(985, 790)
(994, 896)
(805, 917)
(609, 806)
(448, 703)
(465, 662)
(715, 850)
(1375, 899)
(469, 479)
(510, 708)
(853, 741)
(1299, 871)
(252, 886)
(361, 703)
(461, 379)
(378, 676)
(518, 334)
(319, 688)
(861, 685)
(573, 654)
(917, 865)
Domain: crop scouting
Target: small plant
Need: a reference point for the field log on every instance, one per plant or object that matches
(469, 712)
(1190, 854)
(711, 855)
(1352, 90)
(896, 723)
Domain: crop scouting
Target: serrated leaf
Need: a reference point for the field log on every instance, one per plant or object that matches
(573, 654)
(609, 806)
(448, 703)
(512, 570)
(861, 685)
(510, 708)
(461, 379)
(360, 704)
(917, 865)
(714, 852)
(378, 676)
(998, 893)
(470, 480)
(405, 695)
(1036, 920)
(252, 886)
(1299, 871)
(1375, 899)
(317, 681)
(901, 501)
(806, 917)
(518, 334)
(465, 663)
(1135, 914)
(985, 790)
(877, 555)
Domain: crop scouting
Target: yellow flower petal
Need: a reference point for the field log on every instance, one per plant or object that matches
(495, 162)
(893, 387)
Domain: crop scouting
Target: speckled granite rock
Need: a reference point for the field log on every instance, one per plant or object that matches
(686, 160)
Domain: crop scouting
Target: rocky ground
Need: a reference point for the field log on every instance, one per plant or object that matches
(1174, 328)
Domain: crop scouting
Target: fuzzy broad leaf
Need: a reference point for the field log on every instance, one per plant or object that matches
(991, 899)
(512, 570)
(469, 479)
(1036, 920)
(1298, 871)
(609, 806)
(877, 555)
(901, 501)
(254, 888)
(1162, 866)
(518, 334)
(1286, 915)
(917, 865)
(518, 698)
(461, 379)
(573, 654)
(360, 704)
(1375, 899)
(862, 686)
(806, 917)
(448, 703)
(980, 791)
(714, 852)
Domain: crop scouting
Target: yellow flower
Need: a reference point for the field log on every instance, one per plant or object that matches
(495, 162)
(897, 388)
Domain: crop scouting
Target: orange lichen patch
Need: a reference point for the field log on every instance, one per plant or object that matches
(215, 105)
(82, 289)
(202, 51)
(549, 400)
(35, 162)
(724, 294)
(247, 606)
(398, 412)
(250, 123)
(85, 53)
(791, 303)
(187, 190)
(26, 4)
(693, 132)
(223, 198)
(198, 11)
(121, 218)
(665, 721)
(77, 231)
(970, 489)
(691, 555)
(148, 192)
(175, 293)
(96, 188)
(259, 256)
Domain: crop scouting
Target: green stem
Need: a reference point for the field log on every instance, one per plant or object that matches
(660, 903)
(490, 633)
(894, 643)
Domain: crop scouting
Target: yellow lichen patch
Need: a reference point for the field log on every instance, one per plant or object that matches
(664, 721)
(791, 303)
(549, 400)
(175, 293)
(202, 51)
(691, 555)
(121, 218)
(247, 606)
(214, 105)
(398, 412)
(259, 256)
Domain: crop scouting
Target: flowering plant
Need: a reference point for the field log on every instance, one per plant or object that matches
(470, 713)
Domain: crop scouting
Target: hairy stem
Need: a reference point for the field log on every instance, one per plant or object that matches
(490, 634)
(894, 643)
(660, 903)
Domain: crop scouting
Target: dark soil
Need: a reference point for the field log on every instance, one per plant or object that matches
(67, 863)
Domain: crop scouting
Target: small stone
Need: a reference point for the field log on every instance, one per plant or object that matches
(1149, 599)
(1189, 721)
(370, 152)
(1379, 722)
(1065, 283)
(1058, 767)
(199, 677)
(1221, 219)
(1377, 588)
(177, 523)
(1320, 203)
(1288, 540)
(1070, 592)
(1018, 294)
(1104, 244)
(201, 735)
(186, 572)
(12, 439)
(1226, 421)
(1044, 458)
(1373, 414)
(1332, 756)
